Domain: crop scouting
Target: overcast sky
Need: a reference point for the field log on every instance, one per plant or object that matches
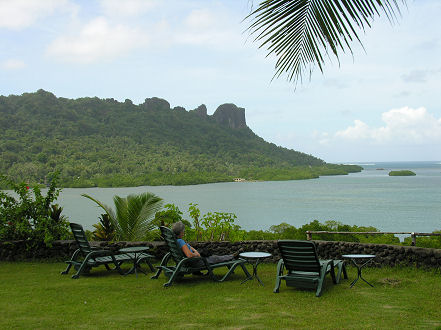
(381, 104)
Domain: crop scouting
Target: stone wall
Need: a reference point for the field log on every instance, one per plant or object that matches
(387, 255)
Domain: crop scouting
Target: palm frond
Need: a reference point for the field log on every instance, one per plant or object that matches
(123, 218)
(142, 210)
(303, 33)
(106, 209)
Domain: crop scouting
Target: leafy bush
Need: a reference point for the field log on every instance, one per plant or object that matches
(213, 226)
(169, 216)
(30, 218)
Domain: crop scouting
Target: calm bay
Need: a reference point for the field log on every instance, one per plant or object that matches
(369, 198)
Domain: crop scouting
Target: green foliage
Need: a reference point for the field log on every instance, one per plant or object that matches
(104, 230)
(433, 242)
(169, 216)
(284, 231)
(287, 231)
(31, 218)
(135, 145)
(402, 173)
(213, 226)
(195, 214)
(133, 216)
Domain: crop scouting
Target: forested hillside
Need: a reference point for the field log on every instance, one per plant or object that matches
(96, 142)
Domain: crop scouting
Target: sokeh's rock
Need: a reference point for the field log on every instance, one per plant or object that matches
(230, 115)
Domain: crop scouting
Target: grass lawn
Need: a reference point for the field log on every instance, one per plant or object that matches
(35, 295)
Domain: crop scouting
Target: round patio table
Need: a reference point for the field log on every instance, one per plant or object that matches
(258, 256)
(363, 260)
(136, 253)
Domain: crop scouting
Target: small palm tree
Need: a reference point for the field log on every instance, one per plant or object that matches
(104, 230)
(133, 215)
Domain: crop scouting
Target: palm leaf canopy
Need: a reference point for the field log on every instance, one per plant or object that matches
(300, 33)
(133, 214)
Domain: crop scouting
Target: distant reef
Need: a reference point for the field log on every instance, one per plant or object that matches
(402, 173)
(93, 142)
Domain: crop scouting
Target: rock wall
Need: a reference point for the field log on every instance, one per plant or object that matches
(387, 255)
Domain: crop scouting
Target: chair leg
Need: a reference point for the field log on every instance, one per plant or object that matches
(280, 266)
(175, 273)
(164, 262)
(147, 261)
(318, 293)
(82, 269)
(245, 270)
(345, 274)
(172, 278)
(277, 287)
(212, 276)
(321, 280)
(66, 271)
(341, 269)
(334, 280)
(158, 272)
(230, 271)
(71, 262)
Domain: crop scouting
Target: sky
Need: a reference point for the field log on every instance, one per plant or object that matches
(380, 103)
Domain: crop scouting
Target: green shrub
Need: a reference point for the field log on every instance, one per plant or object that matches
(32, 218)
(213, 226)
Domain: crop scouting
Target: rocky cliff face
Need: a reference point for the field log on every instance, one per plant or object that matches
(227, 114)
(156, 103)
(201, 111)
(230, 115)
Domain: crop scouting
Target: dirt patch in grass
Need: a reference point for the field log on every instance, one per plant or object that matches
(252, 317)
(390, 307)
(432, 323)
(390, 281)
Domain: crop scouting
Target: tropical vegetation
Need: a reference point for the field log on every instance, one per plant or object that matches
(220, 226)
(303, 34)
(133, 216)
(96, 142)
(104, 229)
(30, 216)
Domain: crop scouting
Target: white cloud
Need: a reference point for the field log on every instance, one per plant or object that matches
(127, 8)
(97, 40)
(417, 76)
(204, 27)
(13, 64)
(20, 14)
(404, 125)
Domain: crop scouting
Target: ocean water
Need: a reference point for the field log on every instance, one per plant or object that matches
(369, 198)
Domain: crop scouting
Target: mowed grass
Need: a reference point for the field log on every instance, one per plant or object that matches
(35, 295)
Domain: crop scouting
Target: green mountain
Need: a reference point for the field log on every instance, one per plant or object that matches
(96, 142)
